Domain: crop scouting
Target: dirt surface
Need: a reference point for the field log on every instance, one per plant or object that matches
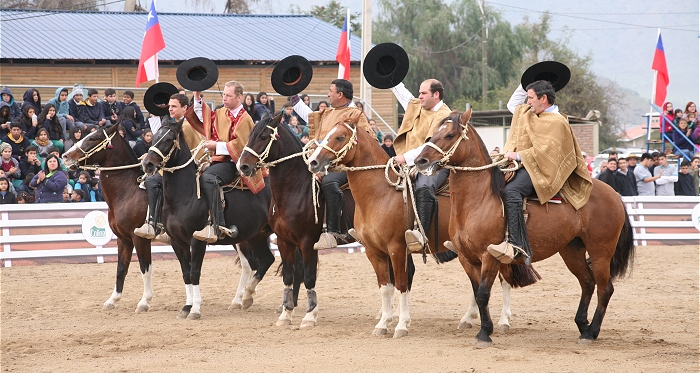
(52, 321)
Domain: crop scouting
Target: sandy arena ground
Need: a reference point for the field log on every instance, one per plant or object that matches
(52, 321)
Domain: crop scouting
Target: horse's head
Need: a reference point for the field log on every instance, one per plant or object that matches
(259, 145)
(90, 149)
(443, 147)
(335, 146)
(165, 141)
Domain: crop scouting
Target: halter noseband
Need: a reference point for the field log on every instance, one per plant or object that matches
(266, 153)
(446, 155)
(165, 158)
(107, 142)
(340, 154)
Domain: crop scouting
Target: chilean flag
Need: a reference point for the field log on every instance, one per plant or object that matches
(343, 53)
(661, 80)
(152, 43)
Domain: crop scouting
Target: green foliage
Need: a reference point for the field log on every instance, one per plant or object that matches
(333, 13)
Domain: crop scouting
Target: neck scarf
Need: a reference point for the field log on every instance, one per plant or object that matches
(42, 143)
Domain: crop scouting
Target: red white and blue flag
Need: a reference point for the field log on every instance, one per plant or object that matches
(153, 42)
(343, 53)
(661, 80)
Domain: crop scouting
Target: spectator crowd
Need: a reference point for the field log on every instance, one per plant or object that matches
(685, 137)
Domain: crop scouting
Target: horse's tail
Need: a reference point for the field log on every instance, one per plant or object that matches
(445, 256)
(623, 258)
(522, 275)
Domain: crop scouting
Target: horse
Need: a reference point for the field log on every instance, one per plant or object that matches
(292, 214)
(184, 213)
(381, 220)
(477, 220)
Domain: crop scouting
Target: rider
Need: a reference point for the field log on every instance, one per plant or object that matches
(340, 96)
(226, 131)
(540, 137)
(177, 106)
(419, 123)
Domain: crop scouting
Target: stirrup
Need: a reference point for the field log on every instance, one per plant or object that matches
(326, 241)
(146, 231)
(414, 240)
(504, 252)
(163, 237)
(450, 246)
(207, 234)
(353, 233)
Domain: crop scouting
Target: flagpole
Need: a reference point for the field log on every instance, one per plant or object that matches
(157, 70)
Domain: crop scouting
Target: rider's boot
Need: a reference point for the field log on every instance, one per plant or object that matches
(148, 229)
(332, 237)
(211, 233)
(516, 243)
(425, 204)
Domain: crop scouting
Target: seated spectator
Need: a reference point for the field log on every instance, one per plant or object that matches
(683, 140)
(90, 110)
(42, 143)
(359, 105)
(263, 104)
(30, 164)
(322, 105)
(129, 101)
(692, 119)
(76, 133)
(249, 104)
(74, 99)
(131, 129)
(49, 182)
(53, 150)
(294, 125)
(16, 140)
(304, 137)
(9, 99)
(95, 192)
(685, 186)
(375, 128)
(645, 180)
(388, 145)
(625, 179)
(667, 176)
(24, 186)
(49, 121)
(694, 171)
(83, 182)
(60, 102)
(6, 197)
(24, 197)
(32, 98)
(5, 119)
(110, 107)
(306, 99)
(77, 196)
(12, 187)
(9, 164)
(287, 112)
(28, 121)
(690, 109)
(142, 145)
(608, 176)
(67, 194)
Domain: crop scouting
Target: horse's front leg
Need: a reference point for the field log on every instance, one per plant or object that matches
(288, 255)
(124, 250)
(143, 251)
(504, 321)
(199, 248)
(489, 271)
(246, 274)
(260, 247)
(472, 312)
(380, 263)
(310, 257)
(403, 279)
(184, 257)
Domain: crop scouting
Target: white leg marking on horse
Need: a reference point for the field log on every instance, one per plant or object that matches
(113, 299)
(472, 312)
(387, 294)
(249, 292)
(246, 272)
(504, 322)
(286, 315)
(311, 318)
(401, 329)
(143, 305)
(188, 292)
(195, 312)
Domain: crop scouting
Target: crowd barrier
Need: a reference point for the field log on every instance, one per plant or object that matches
(53, 232)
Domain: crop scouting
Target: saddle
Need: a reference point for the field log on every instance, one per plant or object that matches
(558, 199)
(443, 190)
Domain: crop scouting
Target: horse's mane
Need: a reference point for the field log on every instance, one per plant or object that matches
(266, 120)
(131, 150)
(498, 180)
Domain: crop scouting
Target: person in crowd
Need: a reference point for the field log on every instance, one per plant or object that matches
(603, 167)
(76, 133)
(32, 98)
(83, 182)
(654, 161)
(613, 154)
(24, 185)
(608, 176)
(74, 99)
(95, 192)
(678, 114)
(692, 119)
(128, 98)
(263, 104)
(322, 105)
(361, 108)
(249, 104)
(25, 197)
(67, 192)
(49, 182)
(60, 102)
(304, 137)
(668, 174)
(684, 140)
(53, 150)
(669, 116)
(632, 162)
(141, 146)
(694, 171)
(5, 119)
(685, 184)
(42, 143)
(90, 110)
(625, 178)
(287, 112)
(388, 145)
(305, 99)
(10, 164)
(9, 99)
(28, 121)
(6, 197)
(294, 125)
(12, 187)
(375, 128)
(49, 120)
(128, 121)
(77, 196)
(690, 108)
(110, 107)
(30, 164)
(645, 179)
(16, 140)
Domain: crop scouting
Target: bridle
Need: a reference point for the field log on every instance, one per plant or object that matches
(446, 155)
(340, 154)
(165, 158)
(266, 153)
(107, 142)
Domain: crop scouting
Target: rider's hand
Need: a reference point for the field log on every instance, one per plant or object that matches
(513, 156)
(400, 159)
(211, 145)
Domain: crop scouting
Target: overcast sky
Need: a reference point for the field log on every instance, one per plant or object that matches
(620, 35)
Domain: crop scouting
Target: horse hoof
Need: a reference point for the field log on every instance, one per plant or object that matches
(482, 344)
(398, 333)
(183, 315)
(107, 306)
(284, 322)
(307, 324)
(142, 308)
(464, 325)
(194, 316)
(235, 306)
(378, 332)
(504, 327)
(247, 303)
(585, 341)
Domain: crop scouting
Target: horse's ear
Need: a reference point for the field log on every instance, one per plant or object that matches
(464, 119)
(277, 119)
(178, 124)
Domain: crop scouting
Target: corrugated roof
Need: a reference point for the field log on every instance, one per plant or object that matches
(26, 34)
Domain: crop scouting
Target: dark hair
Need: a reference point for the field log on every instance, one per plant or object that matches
(40, 131)
(52, 149)
(15, 124)
(319, 104)
(129, 93)
(389, 137)
(46, 162)
(662, 155)
(110, 91)
(257, 99)
(54, 120)
(436, 86)
(612, 159)
(287, 104)
(646, 156)
(30, 148)
(38, 96)
(685, 163)
(25, 196)
(182, 99)
(7, 181)
(678, 111)
(73, 130)
(79, 192)
(344, 86)
(94, 181)
(63, 90)
(303, 97)
(543, 87)
(128, 113)
(92, 91)
(654, 154)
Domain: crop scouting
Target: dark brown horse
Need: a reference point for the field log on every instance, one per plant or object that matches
(381, 219)
(601, 228)
(126, 201)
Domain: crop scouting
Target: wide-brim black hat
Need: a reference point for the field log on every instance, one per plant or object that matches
(554, 72)
(197, 74)
(291, 75)
(157, 97)
(385, 65)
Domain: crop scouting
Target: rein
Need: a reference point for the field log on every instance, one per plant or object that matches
(106, 143)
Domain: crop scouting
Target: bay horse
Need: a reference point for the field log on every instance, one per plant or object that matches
(600, 228)
(184, 213)
(381, 220)
(292, 216)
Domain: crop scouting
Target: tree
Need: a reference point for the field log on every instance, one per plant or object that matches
(50, 4)
(333, 13)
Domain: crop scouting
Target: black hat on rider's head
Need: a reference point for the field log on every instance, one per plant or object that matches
(197, 74)
(291, 75)
(556, 73)
(157, 97)
(385, 65)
